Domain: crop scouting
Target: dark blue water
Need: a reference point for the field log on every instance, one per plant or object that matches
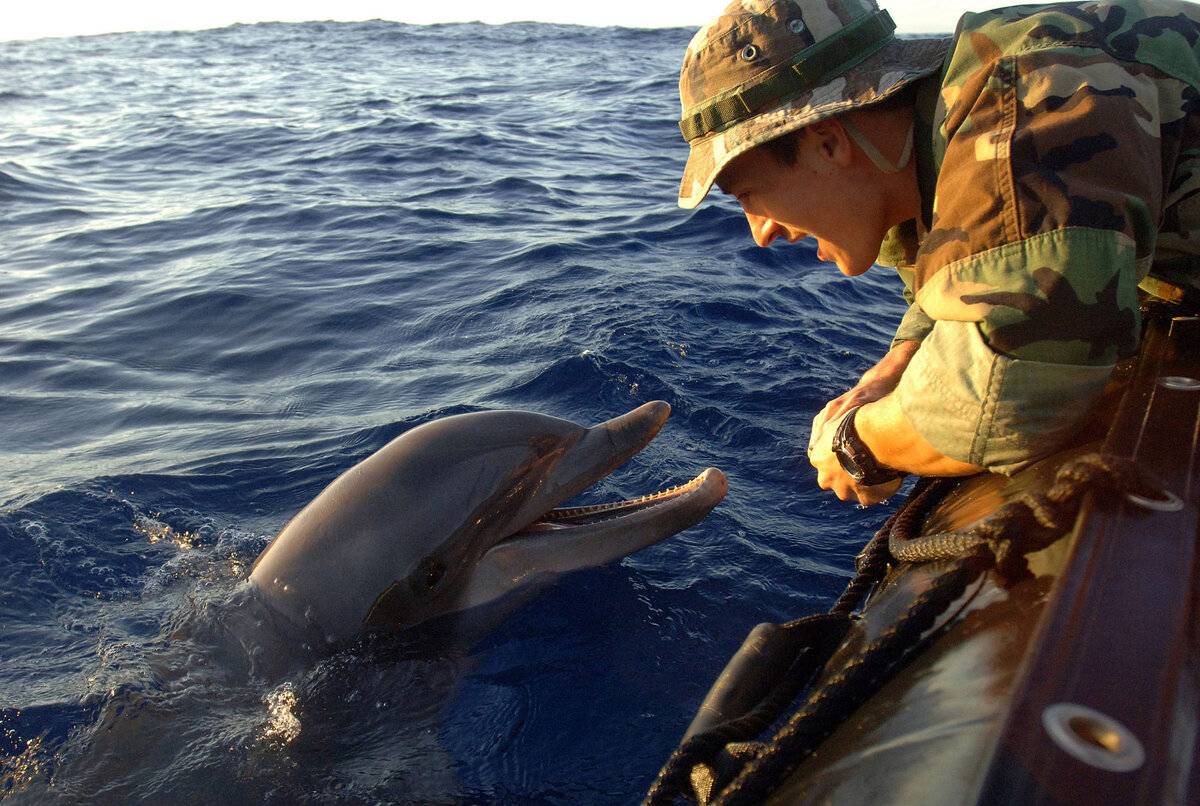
(238, 261)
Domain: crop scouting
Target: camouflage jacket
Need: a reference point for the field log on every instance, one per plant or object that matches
(1062, 160)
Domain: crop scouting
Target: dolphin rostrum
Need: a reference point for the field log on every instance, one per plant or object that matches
(459, 512)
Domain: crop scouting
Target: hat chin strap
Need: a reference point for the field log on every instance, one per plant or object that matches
(875, 155)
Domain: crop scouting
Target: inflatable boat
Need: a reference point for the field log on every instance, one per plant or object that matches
(1029, 639)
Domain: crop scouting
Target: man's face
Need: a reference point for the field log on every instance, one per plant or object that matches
(820, 194)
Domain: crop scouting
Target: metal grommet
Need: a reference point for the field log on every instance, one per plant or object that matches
(1094, 738)
(749, 53)
(1179, 383)
(796, 26)
(1169, 502)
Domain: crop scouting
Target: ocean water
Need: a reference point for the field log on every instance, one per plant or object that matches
(238, 261)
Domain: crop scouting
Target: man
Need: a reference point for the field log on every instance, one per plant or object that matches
(1024, 176)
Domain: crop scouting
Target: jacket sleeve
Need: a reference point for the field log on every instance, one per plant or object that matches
(1048, 194)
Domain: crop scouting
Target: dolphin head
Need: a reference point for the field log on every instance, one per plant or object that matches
(460, 512)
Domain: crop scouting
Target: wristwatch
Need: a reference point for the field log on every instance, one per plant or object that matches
(856, 458)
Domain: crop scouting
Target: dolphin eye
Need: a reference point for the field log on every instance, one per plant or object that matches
(430, 573)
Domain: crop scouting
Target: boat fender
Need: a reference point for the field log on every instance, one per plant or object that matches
(751, 674)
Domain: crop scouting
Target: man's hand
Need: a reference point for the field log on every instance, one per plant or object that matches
(831, 476)
(881, 426)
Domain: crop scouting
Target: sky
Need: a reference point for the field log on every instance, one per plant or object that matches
(34, 19)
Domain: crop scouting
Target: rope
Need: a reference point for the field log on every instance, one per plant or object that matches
(1025, 524)
(1030, 521)
(705, 760)
(702, 761)
(872, 563)
(830, 705)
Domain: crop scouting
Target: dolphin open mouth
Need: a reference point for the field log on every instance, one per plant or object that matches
(568, 539)
(709, 484)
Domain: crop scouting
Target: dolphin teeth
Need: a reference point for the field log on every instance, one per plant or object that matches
(597, 510)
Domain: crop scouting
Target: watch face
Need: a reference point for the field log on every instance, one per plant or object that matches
(843, 447)
(848, 464)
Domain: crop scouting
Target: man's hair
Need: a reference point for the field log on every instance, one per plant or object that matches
(786, 147)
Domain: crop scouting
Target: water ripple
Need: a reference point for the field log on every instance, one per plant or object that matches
(238, 261)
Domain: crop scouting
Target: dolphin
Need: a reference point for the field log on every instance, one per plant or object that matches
(427, 533)
(461, 512)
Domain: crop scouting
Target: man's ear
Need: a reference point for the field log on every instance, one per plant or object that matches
(832, 143)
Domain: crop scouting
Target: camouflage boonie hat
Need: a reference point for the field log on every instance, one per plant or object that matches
(767, 67)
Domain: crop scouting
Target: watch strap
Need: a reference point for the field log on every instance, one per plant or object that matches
(856, 458)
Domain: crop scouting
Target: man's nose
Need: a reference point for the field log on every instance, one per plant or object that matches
(765, 230)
